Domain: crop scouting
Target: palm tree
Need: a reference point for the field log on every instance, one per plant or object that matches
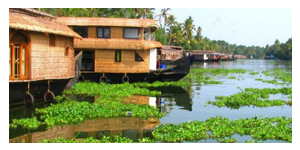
(188, 28)
(198, 36)
(164, 15)
(145, 13)
(171, 23)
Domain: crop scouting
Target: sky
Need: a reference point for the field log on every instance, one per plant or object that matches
(240, 26)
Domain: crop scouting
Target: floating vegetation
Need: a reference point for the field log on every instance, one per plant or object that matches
(278, 128)
(201, 75)
(25, 123)
(232, 77)
(104, 139)
(74, 112)
(254, 73)
(227, 140)
(282, 74)
(161, 84)
(252, 96)
(109, 91)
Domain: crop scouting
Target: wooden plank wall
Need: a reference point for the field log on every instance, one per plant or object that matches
(105, 62)
(50, 61)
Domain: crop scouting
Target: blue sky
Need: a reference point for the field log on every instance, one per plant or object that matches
(241, 26)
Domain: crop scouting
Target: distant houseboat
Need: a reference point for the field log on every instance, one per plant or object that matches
(169, 54)
(41, 56)
(120, 50)
(204, 55)
(225, 57)
(270, 57)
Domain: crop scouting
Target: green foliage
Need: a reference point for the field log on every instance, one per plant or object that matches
(110, 91)
(26, 123)
(252, 96)
(281, 74)
(232, 77)
(278, 128)
(161, 84)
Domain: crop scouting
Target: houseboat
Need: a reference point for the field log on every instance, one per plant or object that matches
(271, 57)
(41, 56)
(117, 50)
(204, 55)
(169, 54)
(225, 57)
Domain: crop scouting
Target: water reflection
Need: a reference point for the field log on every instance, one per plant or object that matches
(133, 128)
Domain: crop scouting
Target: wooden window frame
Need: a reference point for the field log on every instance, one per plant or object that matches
(21, 77)
(103, 30)
(116, 52)
(131, 28)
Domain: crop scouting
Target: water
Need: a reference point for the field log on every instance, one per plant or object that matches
(180, 104)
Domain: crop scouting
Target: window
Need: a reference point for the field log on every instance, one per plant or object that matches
(103, 32)
(131, 33)
(52, 40)
(138, 57)
(82, 31)
(18, 57)
(118, 56)
(88, 58)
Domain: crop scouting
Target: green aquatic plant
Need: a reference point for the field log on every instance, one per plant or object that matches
(278, 128)
(254, 73)
(232, 77)
(227, 140)
(252, 96)
(26, 123)
(281, 74)
(161, 84)
(110, 90)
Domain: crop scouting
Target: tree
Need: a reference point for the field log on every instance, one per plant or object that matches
(171, 23)
(189, 27)
(164, 15)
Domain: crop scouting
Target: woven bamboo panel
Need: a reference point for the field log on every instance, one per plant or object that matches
(124, 44)
(105, 62)
(112, 22)
(50, 61)
(92, 32)
(116, 32)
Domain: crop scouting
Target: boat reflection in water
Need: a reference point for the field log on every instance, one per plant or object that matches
(133, 128)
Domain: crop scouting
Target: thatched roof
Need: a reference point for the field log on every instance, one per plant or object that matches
(202, 52)
(111, 22)
(171, 47)
(123, 44)
(26, 22)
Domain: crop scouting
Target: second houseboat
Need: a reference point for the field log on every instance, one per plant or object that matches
(117, 50)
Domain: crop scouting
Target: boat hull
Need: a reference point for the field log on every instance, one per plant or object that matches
(181, 69)
(17, 90)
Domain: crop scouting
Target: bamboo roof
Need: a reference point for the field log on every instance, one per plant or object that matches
(119, 22)
(202, 52)
(123, 44)
(170, 47)
(26, 22)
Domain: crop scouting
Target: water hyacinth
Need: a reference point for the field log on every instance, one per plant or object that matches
(221, 127)
(252, 96)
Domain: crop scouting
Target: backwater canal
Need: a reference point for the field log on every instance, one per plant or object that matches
(180, 104)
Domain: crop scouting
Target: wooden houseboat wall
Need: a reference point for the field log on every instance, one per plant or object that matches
(41, 59)
(116, 50)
